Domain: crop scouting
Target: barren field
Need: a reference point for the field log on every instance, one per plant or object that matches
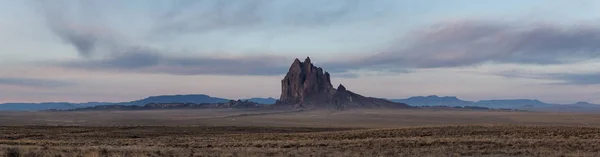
(225, 132)
(476, 140)
(364, 118)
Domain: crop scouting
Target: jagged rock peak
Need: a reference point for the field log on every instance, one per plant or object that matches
(309, 87)
(296, 61)
(341, 88)
(307, 60)
(304, 80)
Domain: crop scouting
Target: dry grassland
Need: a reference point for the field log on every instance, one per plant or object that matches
(470, 140)
(311, 133)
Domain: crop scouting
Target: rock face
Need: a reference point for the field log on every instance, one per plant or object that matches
(344, 99)
(307, 86)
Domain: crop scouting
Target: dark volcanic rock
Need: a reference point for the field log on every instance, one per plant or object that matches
(343, 99)
(307, 86)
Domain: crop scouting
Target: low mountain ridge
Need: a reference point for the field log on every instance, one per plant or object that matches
(190, 98)
(156, 106)
(513, 103)
(47, 106)
(433, 100)
(516, 104)
(163, 99)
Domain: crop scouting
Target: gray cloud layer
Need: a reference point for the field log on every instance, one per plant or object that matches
(139, 61)
(102, 48)
(464, 43)
(30, 82)
(562, 78)
(579, 79)
(185, 16)
(446, 44)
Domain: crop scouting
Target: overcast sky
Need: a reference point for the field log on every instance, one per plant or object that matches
(113, 50)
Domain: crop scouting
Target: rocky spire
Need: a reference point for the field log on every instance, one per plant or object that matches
(341, 88)
(307, 60)
(302, 81)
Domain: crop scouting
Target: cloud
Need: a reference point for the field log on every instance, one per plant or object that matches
(85, 36)
(185, 16)
(31, 82)
(149, 62)
(472, 42)
(445, 44)
(103, 48)
(588, 78)
(579, 79)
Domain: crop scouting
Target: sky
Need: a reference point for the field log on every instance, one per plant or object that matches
(113, 50)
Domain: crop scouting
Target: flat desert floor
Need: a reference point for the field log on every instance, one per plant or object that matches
(365, 132)
(363, 118)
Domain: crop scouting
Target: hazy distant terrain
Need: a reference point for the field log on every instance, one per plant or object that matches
(518, 104)
(189, 98)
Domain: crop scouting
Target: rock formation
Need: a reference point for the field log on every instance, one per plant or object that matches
(309, 87)
(305, 84)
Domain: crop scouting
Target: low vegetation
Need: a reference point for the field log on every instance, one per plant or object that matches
(455, 140)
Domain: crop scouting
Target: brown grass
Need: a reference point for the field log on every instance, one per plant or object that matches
(373, 132)
(371, 118)
(455, 140)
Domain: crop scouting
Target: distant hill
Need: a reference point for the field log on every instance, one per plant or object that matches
(161, 99)
(266, 101)
(516, 104)
(156, 106)
(433, 100)
(513, 104)
(191, 98)
(46, 106)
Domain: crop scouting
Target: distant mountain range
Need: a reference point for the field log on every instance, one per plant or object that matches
(245, 104)
(192, 98)
(520, 104)
(47, 106)
(433, 100)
